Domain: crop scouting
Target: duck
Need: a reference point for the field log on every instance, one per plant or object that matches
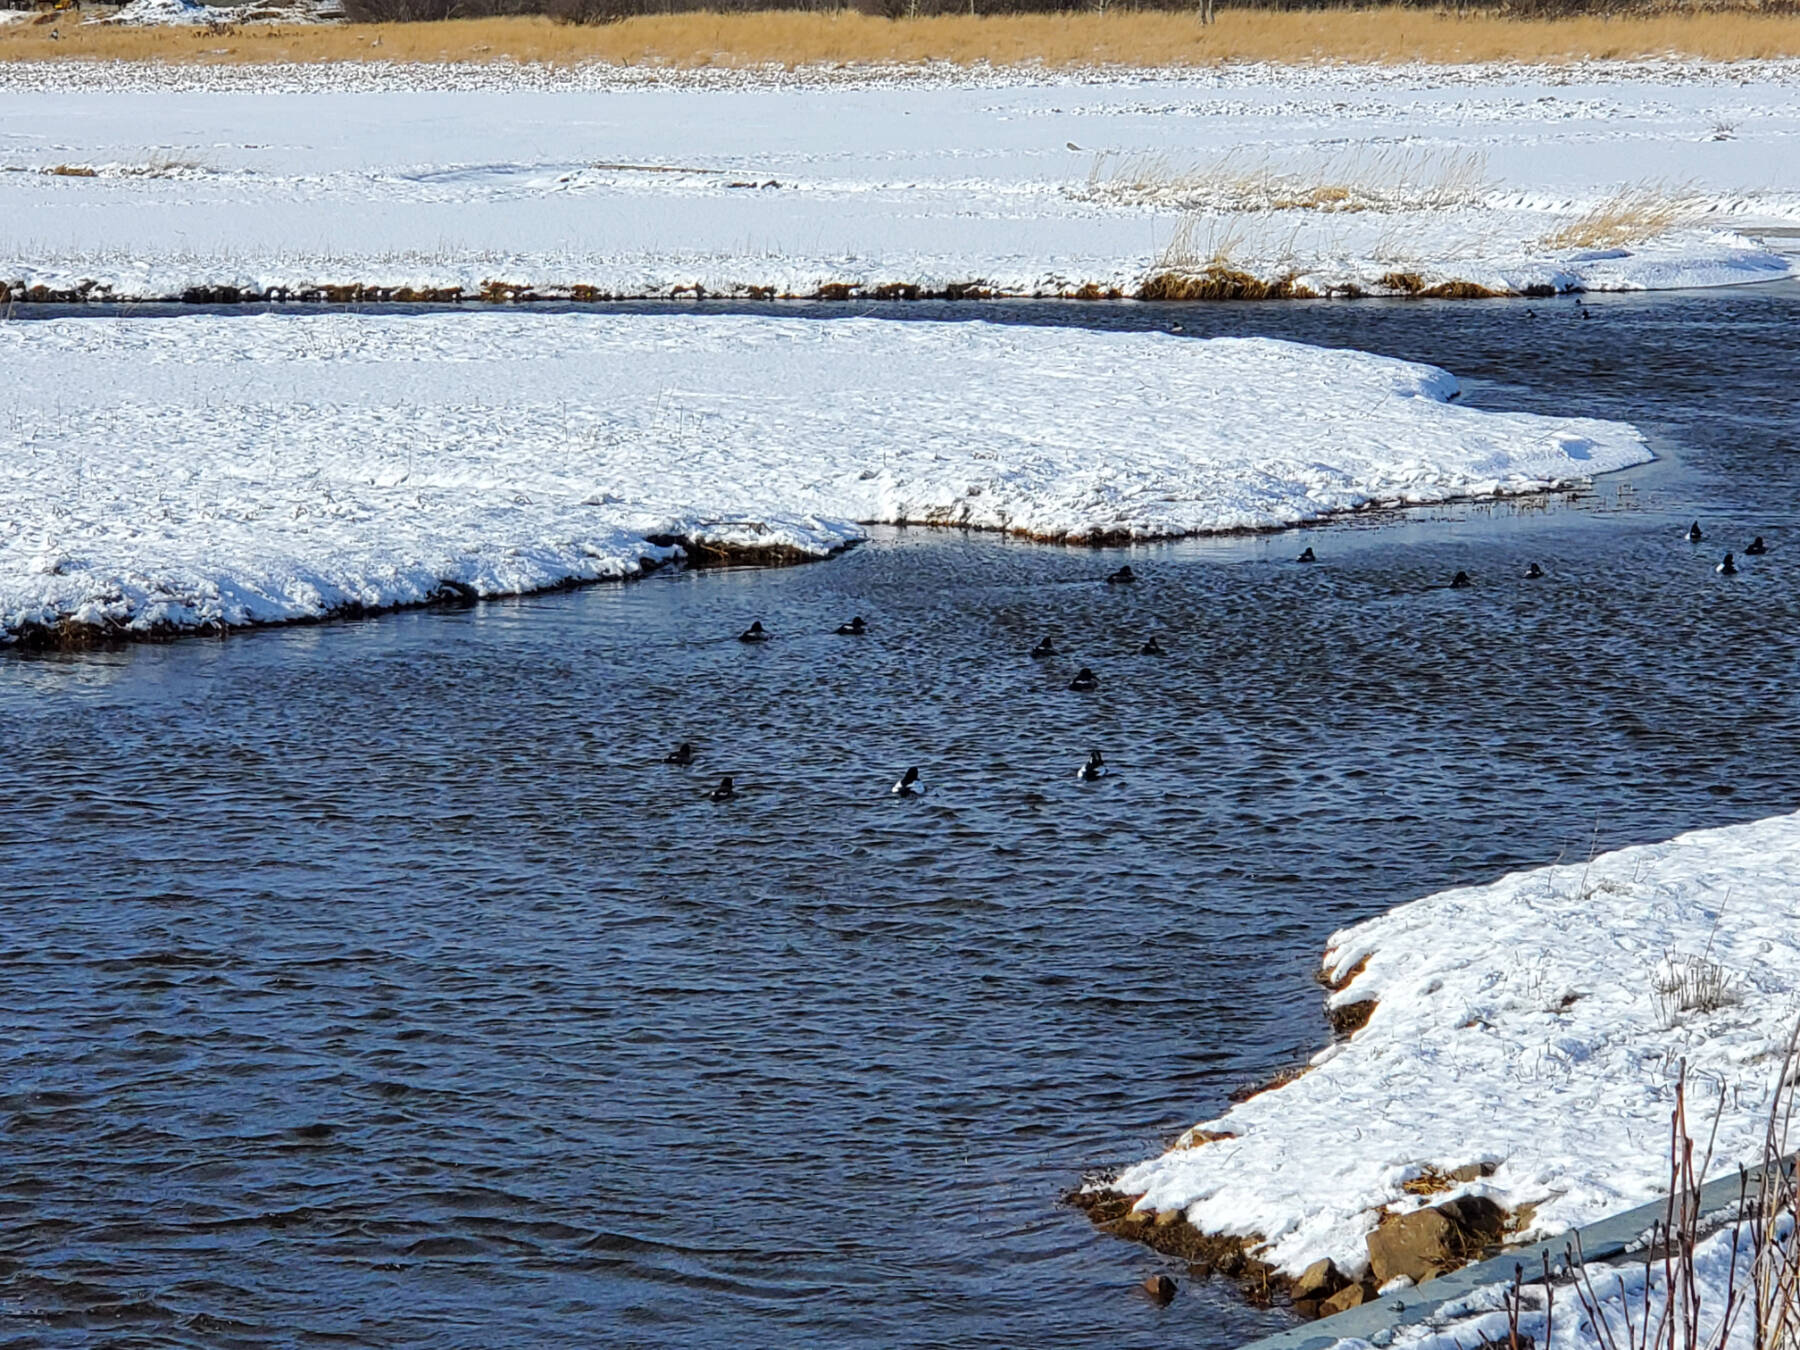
(1757, 548)
(1084, 682)
(908, 786)
(855, 628)
(724, 792)
(1728, 567)
(1460, 581)
(1043, 649)
(1152, 647)
(1533, 572)
(1094, 770)
(754, 633)
(682, 754)
(1306, 555)
(1123, 577)
(1695, 534)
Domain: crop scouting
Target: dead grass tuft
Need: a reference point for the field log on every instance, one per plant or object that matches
(794, 38)
(1352, 182)
(1221, 283)
(1428, 1182)
(1280, 1079)
(1630, 216)
(1349, 1018)
(1344, 980)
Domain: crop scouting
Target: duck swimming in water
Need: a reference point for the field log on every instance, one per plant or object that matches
(1123, 577)
(1727, 568)
(754, 633)
(1757, 547)
(1094, 770)
(682, 754)
(1460, 581)
(1533, 572)
(1084, 681)
(1152, 648)
(1695, 534)
(1306, 555)
(855, 628)
(908, 786)
(1043, 649)
(724, 792)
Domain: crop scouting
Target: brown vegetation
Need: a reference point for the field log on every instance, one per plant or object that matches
(794, 38)
(1218, 282)
(1171, 1234)
(1411, 283)
(1630, 216)
(1349, 1018)
(1343, 981)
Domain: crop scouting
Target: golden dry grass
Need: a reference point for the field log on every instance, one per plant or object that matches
(1631, 216)
(793, 38)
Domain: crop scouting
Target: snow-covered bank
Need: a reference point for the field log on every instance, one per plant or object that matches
(148, 183)
(1604, 1303)
(1532, 1029)
(176, 472)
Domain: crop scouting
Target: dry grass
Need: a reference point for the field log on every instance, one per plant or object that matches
(1630, 216)
(799, 38)
(1355, 181)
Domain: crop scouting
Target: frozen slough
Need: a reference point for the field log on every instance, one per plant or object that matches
(1533, 1028)
(652, 182)
(174, 472)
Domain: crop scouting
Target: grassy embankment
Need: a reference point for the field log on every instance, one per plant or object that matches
(793, 38)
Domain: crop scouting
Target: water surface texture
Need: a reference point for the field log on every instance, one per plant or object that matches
(375, 984)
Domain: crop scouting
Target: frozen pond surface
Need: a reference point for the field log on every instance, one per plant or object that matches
(375, 984)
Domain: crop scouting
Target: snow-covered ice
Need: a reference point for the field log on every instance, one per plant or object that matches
(647, 182)
(1535, 1025)
(203, 469)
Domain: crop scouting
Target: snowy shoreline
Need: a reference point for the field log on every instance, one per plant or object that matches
(357, 183)
(1512, 1047)
(347, 463)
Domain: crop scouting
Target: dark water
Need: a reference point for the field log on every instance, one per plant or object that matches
(374, 985)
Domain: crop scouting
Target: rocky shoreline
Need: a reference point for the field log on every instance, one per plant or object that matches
(1413, 1247)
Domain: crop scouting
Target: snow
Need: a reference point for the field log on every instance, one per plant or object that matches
(150, 13)
(190, 13)
(202, 469)
(1723, 1282)
(651, 182)
(1528, 1024)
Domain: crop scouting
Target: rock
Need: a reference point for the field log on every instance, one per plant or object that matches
(1472, 1172)
(1427, 1242)
(1161, 1289)
(1416, 1245)
(1350, 1296)
(1318, 1281)
(1306, 1309)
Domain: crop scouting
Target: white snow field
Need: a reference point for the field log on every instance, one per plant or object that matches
(204, 469)
(644, 183)
(1535, 1025)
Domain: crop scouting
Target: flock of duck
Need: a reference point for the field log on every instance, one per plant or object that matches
(1085, 681)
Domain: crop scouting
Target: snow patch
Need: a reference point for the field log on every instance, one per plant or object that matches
(205, 469)
(1533, 1022)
